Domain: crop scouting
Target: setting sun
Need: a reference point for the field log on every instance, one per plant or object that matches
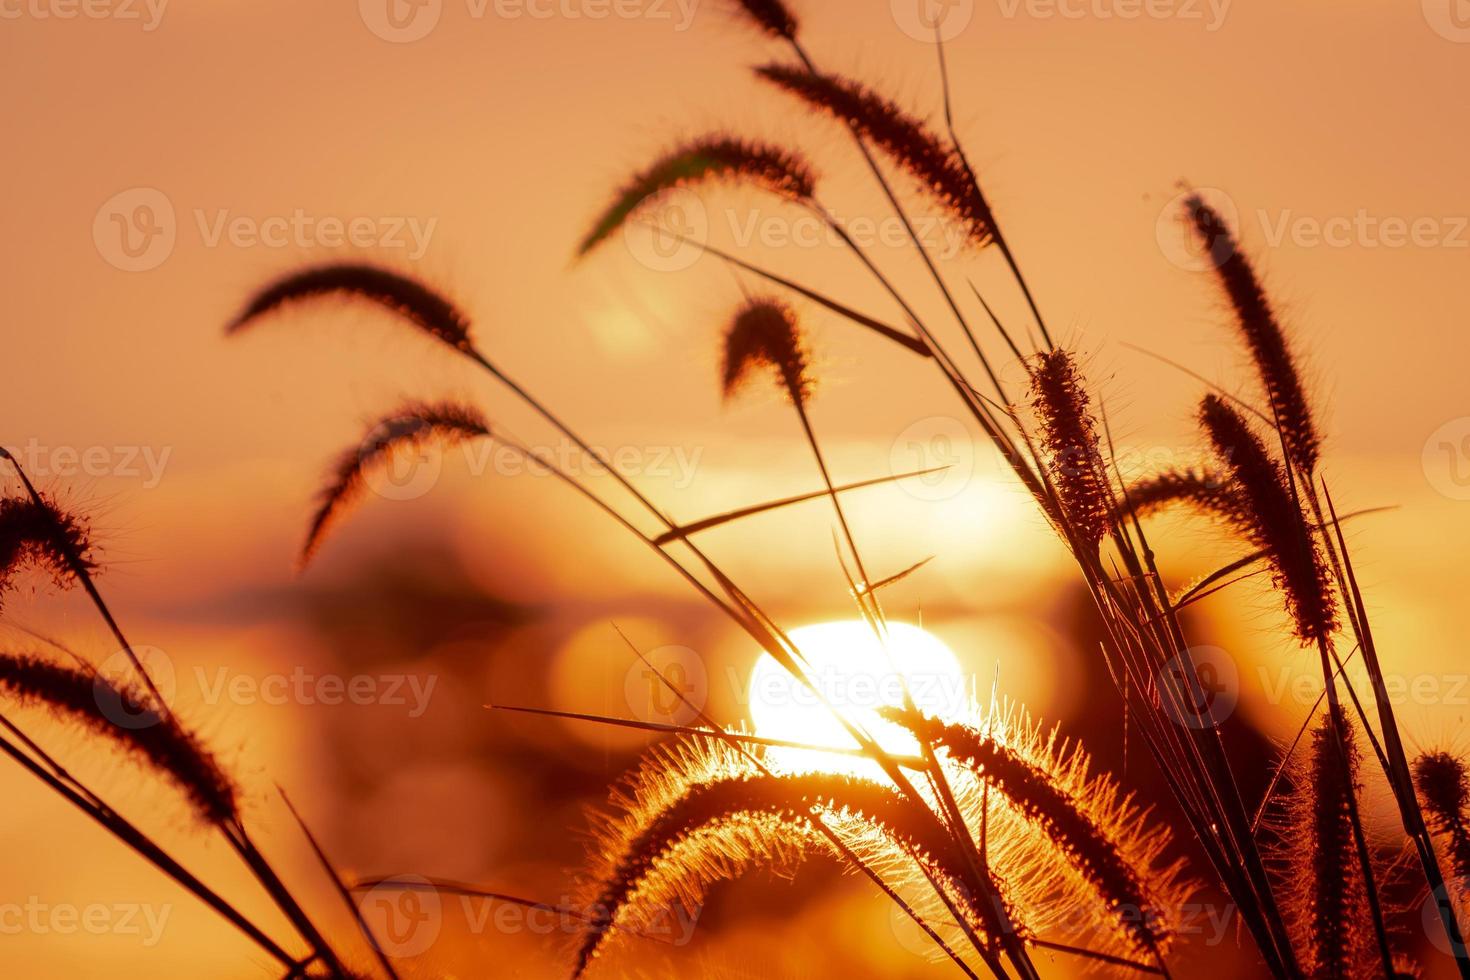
(858, 675)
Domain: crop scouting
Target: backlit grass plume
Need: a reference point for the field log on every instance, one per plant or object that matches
(1263, 335)
(405, 296)
(905, 140)
(412, 428)
(709, 158)
(1206, 490)
(1074, 454)
(1086, 835)
(120, 713)
(1272, 520)
(1442, 782)
(1322, 880)
(765, 334)
(698, 814)
(1059, 840)
(35, 533)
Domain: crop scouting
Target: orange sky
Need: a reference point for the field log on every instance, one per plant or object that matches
(497, 137)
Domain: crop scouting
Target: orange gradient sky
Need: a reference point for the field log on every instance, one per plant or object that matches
(1336, 130)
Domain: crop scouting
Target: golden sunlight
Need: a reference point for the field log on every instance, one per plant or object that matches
(858, 675)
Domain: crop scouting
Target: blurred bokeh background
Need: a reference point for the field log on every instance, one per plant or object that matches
(163, 160)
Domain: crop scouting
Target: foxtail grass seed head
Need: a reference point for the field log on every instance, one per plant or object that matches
(38, 534)
(410, 429)
(1074, 455)
(421, 306)
(696, 814)
(1088, 827)
(765, 334)
(935, 166)
(157, 740)
(710, 158)
(1206, 490)
(1324, 892)
(1272, 520)
(1262, 334)
(1445, 788)
(771, 16)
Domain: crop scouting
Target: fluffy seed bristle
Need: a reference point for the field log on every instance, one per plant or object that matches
(412, 427)
(409, 298)
(1323, 884)
(38, 534)
(1262, 333)
(1445, 787)
(771, 16)
(1085, 829)
(1207, 490)
(765, 333)
(904, 139)
(125, 716)
(694, 816)
(770, 168)
(1074, 453)
(1272, 520)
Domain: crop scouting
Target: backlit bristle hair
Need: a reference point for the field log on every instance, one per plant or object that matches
(1069, 434)
(1206, 490)
(1445, 789)
(412, 427)
(35, 533)
(415, 302)
(1272, 520)
(1325, 898)
(90, 700)
(771, 16)
(1262, 333)
(1055, 837)
(771, 168)
(694, 814)
(1098, 834)
(765, 333)
(903, 138)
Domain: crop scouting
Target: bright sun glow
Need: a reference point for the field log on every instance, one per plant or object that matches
(859, 675)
